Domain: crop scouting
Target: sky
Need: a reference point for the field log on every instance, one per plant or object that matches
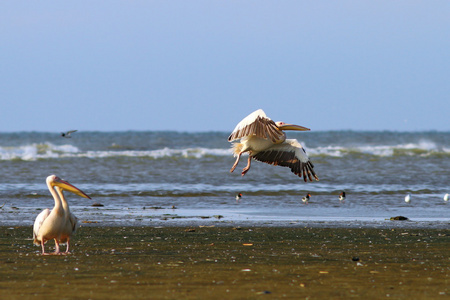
(205, 65)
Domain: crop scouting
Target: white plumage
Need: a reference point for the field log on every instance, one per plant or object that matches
(59, 223)
(266, 141)
(408, 198)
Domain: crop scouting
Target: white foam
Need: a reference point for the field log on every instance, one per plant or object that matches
(160, 153)
(48, 151)
(422, 147)
(36, 151)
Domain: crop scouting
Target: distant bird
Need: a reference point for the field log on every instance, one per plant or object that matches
(238, 197)
(342, 196)
(58, 223)
(68, 133)
(446, 197)
(408, 198)
(306, 198)
(266, 141)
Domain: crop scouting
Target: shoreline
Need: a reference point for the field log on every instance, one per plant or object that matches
(219, 221)
(173, 217)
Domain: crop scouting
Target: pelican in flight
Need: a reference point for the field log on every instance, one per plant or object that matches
(59, 223)
(68, 133)
(266, 141)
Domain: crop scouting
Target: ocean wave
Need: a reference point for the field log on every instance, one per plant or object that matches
(422, 148)
(36, 151)
(48, 150)
(159, 153)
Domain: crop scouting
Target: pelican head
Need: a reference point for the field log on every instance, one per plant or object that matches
(284, 126)
(54, 180)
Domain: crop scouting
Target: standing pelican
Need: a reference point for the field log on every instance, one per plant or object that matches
(266, 141)
(58, 223)
(70, 219)
(68, 133)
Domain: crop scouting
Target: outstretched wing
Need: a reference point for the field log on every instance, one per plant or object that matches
(38, 223)
(289, 154)
(257, 124)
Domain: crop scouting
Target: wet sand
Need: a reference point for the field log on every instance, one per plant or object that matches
(229, 263)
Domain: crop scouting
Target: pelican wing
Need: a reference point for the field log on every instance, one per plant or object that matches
(289, 154)
(38, 223)
(257, 124)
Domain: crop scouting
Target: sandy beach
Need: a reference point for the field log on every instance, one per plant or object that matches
(229, 262)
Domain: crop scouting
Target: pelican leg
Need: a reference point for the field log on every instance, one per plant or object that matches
(43, 250)
(245, 170)
(57, 252)
(67, 246)
(236, 162)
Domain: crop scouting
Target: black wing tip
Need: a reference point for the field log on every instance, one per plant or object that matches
(302, 170)
(306, 177)
(306, 172)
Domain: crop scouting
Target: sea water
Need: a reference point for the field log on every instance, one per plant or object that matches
(175, 178)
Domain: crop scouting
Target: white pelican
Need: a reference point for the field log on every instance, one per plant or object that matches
(266, 141)
(58, 223)
(408, 198)
(445, 197)
(71, 220)
(342, 196)
(68, 133)
(306, 198)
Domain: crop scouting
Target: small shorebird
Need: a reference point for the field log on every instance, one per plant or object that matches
(342, 196)
(68, 133)
(446, 197)
(59, 223)
(238, 197)
(306, 198)
(408, 198)
(265, 141)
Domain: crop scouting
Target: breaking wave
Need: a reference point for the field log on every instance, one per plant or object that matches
(48, 150)
(423, 148)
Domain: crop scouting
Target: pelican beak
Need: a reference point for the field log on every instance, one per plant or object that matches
(293, 127)
(64, 185)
